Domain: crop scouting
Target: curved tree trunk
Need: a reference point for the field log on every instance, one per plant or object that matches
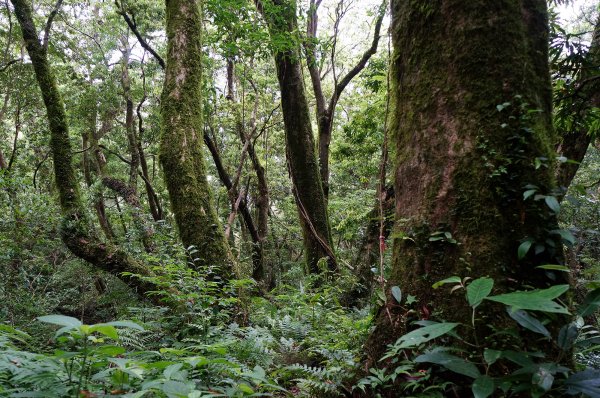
(77, 232)
(280, 16)
(181, 152)
(465, 77)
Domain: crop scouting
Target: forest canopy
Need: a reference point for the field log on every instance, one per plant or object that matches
(309, 198)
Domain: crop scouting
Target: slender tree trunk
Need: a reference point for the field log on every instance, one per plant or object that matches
(465, 77)
(77, 232)
(129, 122)
(153, 199)
(280, 16)
(574, 144)
(181, 142)
(326, 109)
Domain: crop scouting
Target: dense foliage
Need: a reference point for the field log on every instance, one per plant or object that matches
(272, 326)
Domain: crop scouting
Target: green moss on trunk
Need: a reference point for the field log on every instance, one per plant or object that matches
(300, 146)
(461, 163)
(77, 231)
(181, 152)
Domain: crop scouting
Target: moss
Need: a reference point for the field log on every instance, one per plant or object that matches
(181, 153)
(457, 168)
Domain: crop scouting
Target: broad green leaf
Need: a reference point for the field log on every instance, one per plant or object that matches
(424, 334)
(528, 322)
(590, 304)
(452, 279)
(478, 290)
(565, 235)
(567, 336)
(450, 362)
(245, 388)
(552, 203)
(523, 249)
(483, 387)
(61, 320)
(397, 293)
(535, 300)
(126, 324)
(543, 378)
(107, 330)
(491, 356)
(529, 193)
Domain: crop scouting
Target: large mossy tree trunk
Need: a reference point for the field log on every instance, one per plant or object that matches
(470, 114)
(281, 19)
(181, 152)
(77, 231)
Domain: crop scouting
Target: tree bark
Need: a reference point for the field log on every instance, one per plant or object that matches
(77, 232)
(181, 153)
(462, 162)
(281, 19)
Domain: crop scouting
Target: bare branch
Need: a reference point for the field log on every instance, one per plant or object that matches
(49, 24)
(133, 26)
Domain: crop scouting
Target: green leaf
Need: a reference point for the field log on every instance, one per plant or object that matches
(528, 322)
(483, 387)
(535, 300)
(553, 267)
(529, 193)
(543, 378)
(552, 203)
(397, 293)
(424, 334)
(478, 290)
(450, 362)
(126, 324)
(452, 279)
(567, 336)
(590, 304)
(565, 235)
(586, 382)
(61, 320)
(523, 249)
(491, 356)
(107, 330)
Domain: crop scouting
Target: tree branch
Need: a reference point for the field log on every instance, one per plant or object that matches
(133, 26)
(339, 88)
(49, 24)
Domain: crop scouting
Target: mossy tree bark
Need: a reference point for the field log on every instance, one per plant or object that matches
(181, 153)
(77, 231)
(462, 162)
(281, 19)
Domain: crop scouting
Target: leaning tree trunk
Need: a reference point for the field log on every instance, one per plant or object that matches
(181, 153)
(77, 231)
(466, 78)
(280, 16)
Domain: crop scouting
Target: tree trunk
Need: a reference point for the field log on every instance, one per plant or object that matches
(574, 144)
(280, 16)
(464, 79)
(77, 232)
(326, 110)
(181, 142)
